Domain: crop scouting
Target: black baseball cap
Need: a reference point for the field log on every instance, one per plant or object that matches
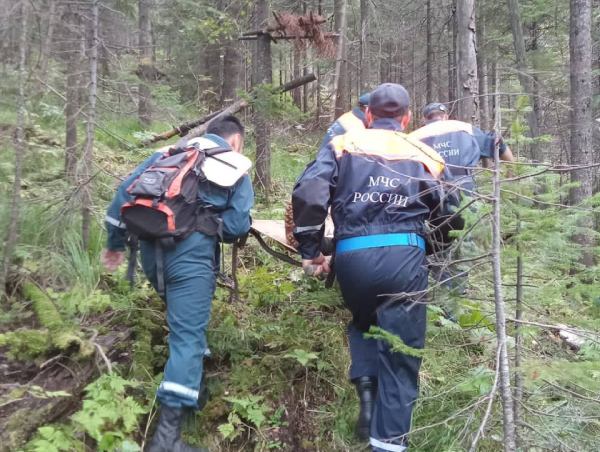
(434, 107)
(389, 100)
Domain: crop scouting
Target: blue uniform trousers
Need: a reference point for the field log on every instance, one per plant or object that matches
(367, 277)
(190, 276)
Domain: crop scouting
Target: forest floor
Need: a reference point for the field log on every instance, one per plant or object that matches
(81, 353)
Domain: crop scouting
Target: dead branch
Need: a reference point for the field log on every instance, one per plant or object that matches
(499, 304)
(488, 411)
(573, 393)
(304, 30)
(198, 127)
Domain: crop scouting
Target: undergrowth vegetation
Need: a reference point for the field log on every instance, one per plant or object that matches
(277, 374)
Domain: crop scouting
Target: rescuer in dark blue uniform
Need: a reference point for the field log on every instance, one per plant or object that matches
(190, 274)
(381, 186)
(351, 120)
(462, 146)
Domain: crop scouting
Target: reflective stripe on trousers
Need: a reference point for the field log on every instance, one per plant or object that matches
(189, 270)
(179, 390)
(363, 276)
(380, 445)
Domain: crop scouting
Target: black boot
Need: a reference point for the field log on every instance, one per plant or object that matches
(367, 390)
(167, 437)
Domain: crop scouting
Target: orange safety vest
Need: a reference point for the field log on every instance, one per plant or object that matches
(390, 145)
(349, 122)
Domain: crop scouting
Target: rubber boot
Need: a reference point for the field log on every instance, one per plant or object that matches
(167, 437)
(366, 387)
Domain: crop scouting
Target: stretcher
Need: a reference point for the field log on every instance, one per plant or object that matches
(275, 231)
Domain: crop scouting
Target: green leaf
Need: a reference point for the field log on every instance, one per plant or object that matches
(396, 343)
(302, 356)
(226, 430)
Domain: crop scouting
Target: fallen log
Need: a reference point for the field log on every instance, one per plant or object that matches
(198, 127)
(25, 407)
(180, 130)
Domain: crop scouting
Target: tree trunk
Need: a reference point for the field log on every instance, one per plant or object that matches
(364, 63)
(538, 110)
(441, 88)
(429, 57)
(413, 77)
(596, 93)
(317, 70)
(46, 43)
(453, 36)
(12, 231)
(87, 160)
(304, 58)
(297, 93)
(146, 66)
(72, 37)
(318, 100)
(263, 73)
(450, 74)
(340, 79)
(71, 117)
(580, 43)
(232, 70)
(305, 89)
(518, 395)
(523, 72)
(468, 86)
(482, 69)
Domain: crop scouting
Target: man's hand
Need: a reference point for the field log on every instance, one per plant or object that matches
(112, 259)
(317, 266)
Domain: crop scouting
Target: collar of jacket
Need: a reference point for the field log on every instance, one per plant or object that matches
(217, 140)
(386, 124)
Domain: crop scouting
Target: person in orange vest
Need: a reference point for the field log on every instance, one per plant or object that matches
(351, 120)
(381, 186)
(462, 146)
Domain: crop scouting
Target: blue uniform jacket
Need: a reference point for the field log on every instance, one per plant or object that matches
(354, 119)
(461, 145)
(232, 203)
(376, 181)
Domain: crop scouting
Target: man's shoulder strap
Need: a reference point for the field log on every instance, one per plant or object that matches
(202, 143)
(225, 168)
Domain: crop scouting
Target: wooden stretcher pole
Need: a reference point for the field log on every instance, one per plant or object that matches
(276, 254)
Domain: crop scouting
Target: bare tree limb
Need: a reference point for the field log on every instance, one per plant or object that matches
(198, 126)
(491, 396)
